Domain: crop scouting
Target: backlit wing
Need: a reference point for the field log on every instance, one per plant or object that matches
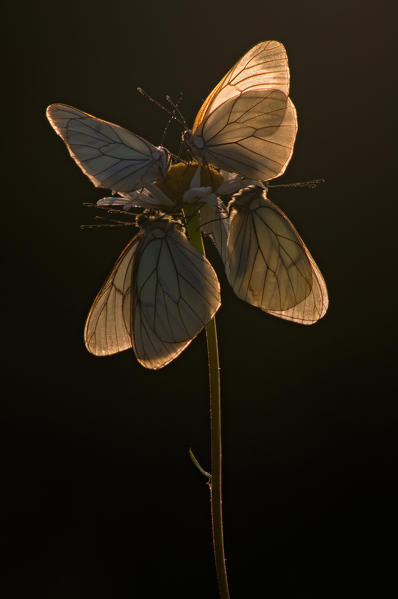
(108, 325)
(269, 265)
(111, 156)
(315, 305)
(263, 67)
(252, 134)
(176, 293)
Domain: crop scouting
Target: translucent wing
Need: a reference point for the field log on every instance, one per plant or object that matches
(263, 67)
(248, 124)
(111, 156)
(158, 297)
(176, 293)
(252, 134)
(108, 325)
(315, 305)
(269, 265)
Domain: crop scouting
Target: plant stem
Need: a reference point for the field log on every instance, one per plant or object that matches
(215, 483)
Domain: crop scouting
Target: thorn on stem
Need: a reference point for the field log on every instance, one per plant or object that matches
(199, 467)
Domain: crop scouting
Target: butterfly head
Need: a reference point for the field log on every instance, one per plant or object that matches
(194, 142)
(248, 199)
(161, 222)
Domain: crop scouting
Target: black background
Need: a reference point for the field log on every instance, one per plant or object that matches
(101, 497)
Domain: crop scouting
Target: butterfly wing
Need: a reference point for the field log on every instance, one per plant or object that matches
(158, 297)
(108, 325)
(176, 293)
(269, 265)
(111, 156)
(263, 67)
(252, 134)
(314, 306)
(248, 124)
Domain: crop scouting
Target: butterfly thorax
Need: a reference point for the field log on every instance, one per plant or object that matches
(179, 178)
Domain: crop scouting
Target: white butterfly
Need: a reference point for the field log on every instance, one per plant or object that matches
(111, 156)
(248, 124)
(158, 297)
(269, 265)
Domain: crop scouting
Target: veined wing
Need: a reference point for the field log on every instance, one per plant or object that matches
(269, 265)
(263, 67)
(108, 325)
(111, 156)
(176, 293)
(252, 134)
(315, 305)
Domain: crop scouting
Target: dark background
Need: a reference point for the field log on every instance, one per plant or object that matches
(101, 497)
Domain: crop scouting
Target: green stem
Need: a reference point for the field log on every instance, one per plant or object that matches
(195, 237)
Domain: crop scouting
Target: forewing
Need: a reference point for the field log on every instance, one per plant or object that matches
(270, 266)
(176, 293)
(263, 67)
(108, 325)
(252, 134)
(111, 156)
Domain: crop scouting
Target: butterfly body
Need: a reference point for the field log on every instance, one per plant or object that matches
(158, 297)
(248, 124)
(269, 265)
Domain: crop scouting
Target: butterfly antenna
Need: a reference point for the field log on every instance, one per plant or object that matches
(313, 184)
(108, 210)
(106, 226)
(183, 146)
(115, 221)
(182, 121)
(159, 105)
(111, 223)
(165, 130)
(171, 117)
(176, 109)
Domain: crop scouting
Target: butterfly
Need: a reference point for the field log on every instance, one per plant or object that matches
(111, 156)
(248, 124)
(160, 294)
(268, 265)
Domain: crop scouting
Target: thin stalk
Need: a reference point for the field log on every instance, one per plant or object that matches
(215, 483)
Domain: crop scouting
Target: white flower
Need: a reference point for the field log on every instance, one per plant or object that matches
(196, 192)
